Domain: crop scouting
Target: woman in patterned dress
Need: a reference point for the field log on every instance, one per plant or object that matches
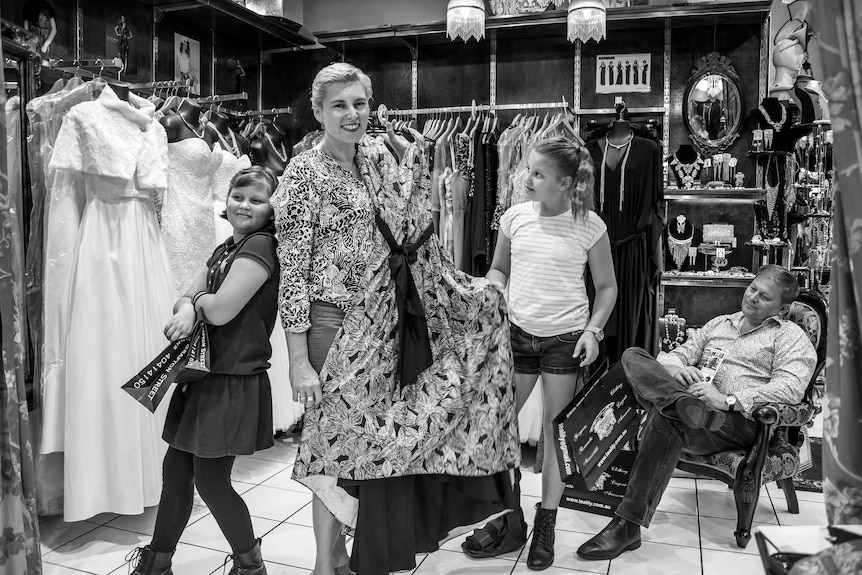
(403, 362)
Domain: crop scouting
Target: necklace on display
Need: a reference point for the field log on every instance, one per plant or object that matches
(281, 155)
(200, 134)
(679, 247)
(678, 333)
(775, 125)
(622, 166)
(233, 147)
(771, 191)
(687, 173)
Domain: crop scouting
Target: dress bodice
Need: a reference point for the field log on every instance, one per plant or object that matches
(187, 212)
(227, 169)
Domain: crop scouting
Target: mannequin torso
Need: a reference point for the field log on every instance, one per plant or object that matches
(185, 124)
(269, 151)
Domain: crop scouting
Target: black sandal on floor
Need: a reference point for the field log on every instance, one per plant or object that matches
(497, 537)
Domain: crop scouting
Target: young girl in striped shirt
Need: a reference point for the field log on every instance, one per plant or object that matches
(541, 252)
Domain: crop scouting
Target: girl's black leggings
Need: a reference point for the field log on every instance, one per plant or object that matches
(181, 473)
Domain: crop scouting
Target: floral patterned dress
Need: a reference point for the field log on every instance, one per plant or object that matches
(457, 420)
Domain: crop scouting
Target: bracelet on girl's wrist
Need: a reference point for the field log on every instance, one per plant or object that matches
(196, 297)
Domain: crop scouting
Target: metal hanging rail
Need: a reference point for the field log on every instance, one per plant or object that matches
(160, 84)
(218, 98)
(478, 108)
(251, 113)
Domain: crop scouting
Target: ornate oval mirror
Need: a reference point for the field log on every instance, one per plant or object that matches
(713, 106)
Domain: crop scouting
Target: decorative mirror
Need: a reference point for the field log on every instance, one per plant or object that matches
(713, 106)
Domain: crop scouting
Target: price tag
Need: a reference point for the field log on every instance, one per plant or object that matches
(719, 253)
(692, 253)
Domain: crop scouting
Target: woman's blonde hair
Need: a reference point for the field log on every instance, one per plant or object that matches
(340, 72)
(572, 160)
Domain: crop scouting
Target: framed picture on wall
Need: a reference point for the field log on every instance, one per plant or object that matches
(622, 73)
(187, 62)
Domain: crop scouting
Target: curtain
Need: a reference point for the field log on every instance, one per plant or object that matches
(839, 35)
(19, 527)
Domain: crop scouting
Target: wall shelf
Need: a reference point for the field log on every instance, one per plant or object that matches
(713, 195)
(619, 18)
(698, 280)
(228, 18)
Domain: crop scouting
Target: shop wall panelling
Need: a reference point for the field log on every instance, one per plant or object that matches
(699, 305)
(390, 72)
(622, 41)
(534, 69)
(64, 43)
(739, 42)
(100, 39)
(453, 73)
(228, 54)
(287, 78)
(165, 62)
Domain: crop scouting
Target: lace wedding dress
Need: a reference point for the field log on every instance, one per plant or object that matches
(120, 292)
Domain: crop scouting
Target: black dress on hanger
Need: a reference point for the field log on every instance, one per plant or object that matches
(634, 229)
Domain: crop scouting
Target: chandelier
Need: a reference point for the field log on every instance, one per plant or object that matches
(586, 20)
(465, 19)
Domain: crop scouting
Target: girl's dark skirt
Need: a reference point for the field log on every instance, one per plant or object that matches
(221, 415)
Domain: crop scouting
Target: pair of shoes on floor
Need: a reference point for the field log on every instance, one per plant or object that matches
(616, 538)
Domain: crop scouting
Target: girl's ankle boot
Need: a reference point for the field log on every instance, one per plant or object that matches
(149, 562)
(541, 555)
(248, 563)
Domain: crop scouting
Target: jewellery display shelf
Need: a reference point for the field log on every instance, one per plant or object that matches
(700, 293)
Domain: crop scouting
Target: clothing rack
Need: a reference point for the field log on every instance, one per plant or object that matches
(218, 98)
(473, 108)
(159, 85)
(258, 113)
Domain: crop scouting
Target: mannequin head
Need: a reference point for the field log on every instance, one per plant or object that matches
(787, 58)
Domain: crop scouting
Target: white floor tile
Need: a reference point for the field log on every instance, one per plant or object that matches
(672, 528)
(290, 544)
(713, 485)
(54, 532)
(522, 569)
(145, 522)
(303, 516)
(722, 562)
(451, 563)
(723, 506)
(580, 521)
(528, 505)
(531, 483)
(256, 471)
(654, 558)
(810, 513)
(682, 483)
(675, 500)
(777, 493)
(282, 451)
(103, 518)
(51, 569)
(191, 559)
(100, 551)
(567, 542)
(206, 533)
(284, 480)
(717, 534)
(275, 504)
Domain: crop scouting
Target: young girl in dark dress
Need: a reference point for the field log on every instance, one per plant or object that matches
(229, 411)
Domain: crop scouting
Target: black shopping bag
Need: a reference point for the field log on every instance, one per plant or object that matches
(594, 427)
(608, 491)
(173, 365)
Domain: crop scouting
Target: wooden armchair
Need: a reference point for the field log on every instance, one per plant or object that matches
(775, 454)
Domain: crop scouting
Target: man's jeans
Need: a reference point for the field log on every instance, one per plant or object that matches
(665, 436)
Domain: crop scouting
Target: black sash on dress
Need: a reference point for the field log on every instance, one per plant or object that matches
(414, 354)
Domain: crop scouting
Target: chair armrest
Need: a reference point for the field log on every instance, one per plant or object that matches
(784, 414)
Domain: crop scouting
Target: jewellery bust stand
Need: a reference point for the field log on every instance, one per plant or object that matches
(672, 330)
(679, 236)
(686, 166)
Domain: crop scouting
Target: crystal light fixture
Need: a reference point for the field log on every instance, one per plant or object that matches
(586, 20)
(465, 19)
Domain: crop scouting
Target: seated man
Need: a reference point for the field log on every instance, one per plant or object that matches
(765, 359)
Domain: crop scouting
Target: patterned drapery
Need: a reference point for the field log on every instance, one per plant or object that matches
(839, 33)
(19, 524)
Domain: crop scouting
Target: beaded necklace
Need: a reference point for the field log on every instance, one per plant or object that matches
(281, 155)
(622, 166)
(678, 333)
(775, 125)
(679, 247)
(771, 191)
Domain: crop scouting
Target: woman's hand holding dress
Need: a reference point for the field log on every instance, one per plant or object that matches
(305, 382)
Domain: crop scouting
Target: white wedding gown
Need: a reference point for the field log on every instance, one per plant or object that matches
(187, 223)
(114, 156)
(285, 411)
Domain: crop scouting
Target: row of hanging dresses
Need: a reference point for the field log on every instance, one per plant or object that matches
(109, 159)
(628, 197)
(407, 463)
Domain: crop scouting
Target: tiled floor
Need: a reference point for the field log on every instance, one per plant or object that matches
(691, 534)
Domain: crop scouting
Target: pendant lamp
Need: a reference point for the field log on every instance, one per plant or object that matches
(465, 19)
(586, 20)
